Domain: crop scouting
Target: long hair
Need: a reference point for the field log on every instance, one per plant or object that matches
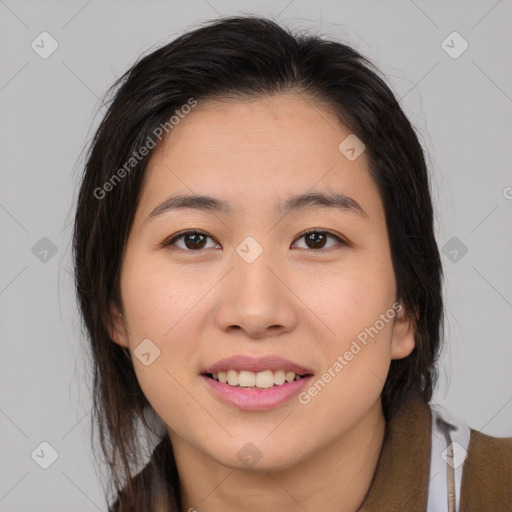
(244, 57)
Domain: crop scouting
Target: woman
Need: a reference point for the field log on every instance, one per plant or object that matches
(257, 271)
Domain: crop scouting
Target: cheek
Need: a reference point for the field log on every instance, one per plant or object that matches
(156, 300)
(357, 305)
(162, 310)
(355, 364)
(353, 300)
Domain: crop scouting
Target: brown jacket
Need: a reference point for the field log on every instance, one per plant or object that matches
(402, 477)
(401, 480)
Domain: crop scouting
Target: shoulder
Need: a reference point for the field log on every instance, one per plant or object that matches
(491, 452)
(487, 473)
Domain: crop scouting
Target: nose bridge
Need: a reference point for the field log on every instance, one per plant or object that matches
(255, 266)
(254, 298)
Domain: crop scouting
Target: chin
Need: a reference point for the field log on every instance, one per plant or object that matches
(255, 458)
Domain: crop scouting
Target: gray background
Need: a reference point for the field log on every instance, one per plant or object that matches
(461, 107)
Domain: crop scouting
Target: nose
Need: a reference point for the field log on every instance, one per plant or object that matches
(256, 299)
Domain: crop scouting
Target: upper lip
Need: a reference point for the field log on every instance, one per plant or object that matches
(256, 364)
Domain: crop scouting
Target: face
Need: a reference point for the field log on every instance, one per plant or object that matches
(301, 287)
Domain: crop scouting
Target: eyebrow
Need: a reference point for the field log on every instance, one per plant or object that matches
(292, 204)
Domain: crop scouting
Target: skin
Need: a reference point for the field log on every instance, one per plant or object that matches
(296, 301)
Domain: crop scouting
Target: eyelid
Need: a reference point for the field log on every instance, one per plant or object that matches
(168, 242)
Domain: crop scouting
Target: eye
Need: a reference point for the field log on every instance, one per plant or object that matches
(193, 240)
(316, 239)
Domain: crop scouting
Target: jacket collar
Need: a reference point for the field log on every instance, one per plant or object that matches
(403, 471)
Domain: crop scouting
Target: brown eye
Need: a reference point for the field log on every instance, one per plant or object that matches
(317, 239)
(193, 241)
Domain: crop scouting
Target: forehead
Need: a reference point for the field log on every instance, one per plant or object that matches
(253, 151)
(265, 125)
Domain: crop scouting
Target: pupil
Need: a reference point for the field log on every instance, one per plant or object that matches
(317, 239)
(194, 245)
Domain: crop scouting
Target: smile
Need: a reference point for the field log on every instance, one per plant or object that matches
(255, 398)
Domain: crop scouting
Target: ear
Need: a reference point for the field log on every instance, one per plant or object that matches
(402, 341)
(117, 329)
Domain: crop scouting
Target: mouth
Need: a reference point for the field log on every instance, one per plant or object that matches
(256, 390)
(256, 383)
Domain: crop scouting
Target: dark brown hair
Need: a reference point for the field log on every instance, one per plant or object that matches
(244, 57)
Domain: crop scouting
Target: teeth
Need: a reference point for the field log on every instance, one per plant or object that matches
(247, 379)
(262, 380)
(289, 376)
(232, 377)
(279, 377)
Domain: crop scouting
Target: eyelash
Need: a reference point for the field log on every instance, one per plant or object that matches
(169, 242)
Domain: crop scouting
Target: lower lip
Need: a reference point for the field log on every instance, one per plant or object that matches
(249, 399)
